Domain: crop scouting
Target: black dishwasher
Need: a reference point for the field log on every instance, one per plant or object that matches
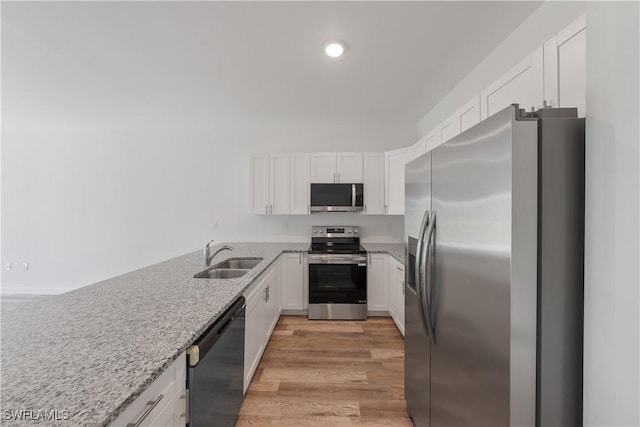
(215, 371)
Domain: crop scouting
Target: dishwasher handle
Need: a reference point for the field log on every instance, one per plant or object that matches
(208, 339)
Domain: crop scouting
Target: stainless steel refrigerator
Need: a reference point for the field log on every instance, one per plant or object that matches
(494, 233)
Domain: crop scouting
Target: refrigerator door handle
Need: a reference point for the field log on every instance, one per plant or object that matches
(417, 274)
(429, 237)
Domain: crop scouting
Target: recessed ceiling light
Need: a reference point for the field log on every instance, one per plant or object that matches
(334, 48)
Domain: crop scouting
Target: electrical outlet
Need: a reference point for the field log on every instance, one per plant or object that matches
(7, 266)
(25, 265)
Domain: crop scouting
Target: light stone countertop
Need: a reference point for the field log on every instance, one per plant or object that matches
(92, 351)
(396, 250)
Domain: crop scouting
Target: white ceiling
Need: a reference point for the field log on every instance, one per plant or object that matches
(259, 60)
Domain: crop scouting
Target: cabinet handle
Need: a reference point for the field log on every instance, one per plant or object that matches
(266, 209)
(308, 209)
(300, 258)
(150, 405)
(334, 177)
(338, 176)
(265, 295)
(399, 268)
(268, 293)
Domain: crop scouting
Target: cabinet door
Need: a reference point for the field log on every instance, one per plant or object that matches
(523, 84)
(572, 46)
(273, 303)
(565, 68)
(323, 167)
(394, 174)
(432, 140)
(279, 184)
(349, 167)
(253, 335)
(396, 293)
(418, 149)
(260, 184)
(374, 183)
(292, 271)
(377, 287)
(469, 114)
(449, 128)
(299, 188)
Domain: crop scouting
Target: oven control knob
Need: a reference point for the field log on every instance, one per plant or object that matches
(355, 231)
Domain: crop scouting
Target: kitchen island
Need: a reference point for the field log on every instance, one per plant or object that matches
(92, 351)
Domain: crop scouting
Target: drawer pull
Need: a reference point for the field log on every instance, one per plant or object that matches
(150, 405)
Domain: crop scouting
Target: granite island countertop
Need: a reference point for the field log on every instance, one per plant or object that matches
(92, 351)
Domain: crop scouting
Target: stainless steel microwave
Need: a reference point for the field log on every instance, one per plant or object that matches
(337, 197)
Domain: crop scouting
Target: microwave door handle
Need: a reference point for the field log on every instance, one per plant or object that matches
(353, 195)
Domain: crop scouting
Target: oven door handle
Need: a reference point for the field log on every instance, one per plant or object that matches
(338, 259)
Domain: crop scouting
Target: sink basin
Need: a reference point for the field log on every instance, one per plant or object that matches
(221, 273)
(229, 269)
(238, 263)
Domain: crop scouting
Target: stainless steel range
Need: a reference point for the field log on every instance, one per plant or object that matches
(337, 274)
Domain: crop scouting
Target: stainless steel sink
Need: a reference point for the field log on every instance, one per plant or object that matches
(238, 263)
(222, 273)
(229, 269)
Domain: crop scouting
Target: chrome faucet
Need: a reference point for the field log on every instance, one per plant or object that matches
(208, 257)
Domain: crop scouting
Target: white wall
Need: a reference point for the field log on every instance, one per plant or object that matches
(612, 356)
(544, 23)
(84, 201)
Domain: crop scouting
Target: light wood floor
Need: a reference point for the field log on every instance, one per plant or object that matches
(329, 373)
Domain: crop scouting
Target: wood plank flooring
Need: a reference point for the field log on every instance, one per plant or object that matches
(329, 373)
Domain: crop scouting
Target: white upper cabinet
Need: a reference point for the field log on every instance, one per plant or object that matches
(260, 181)
(449, 128)
(374, 183)
(349, 167)
(523, 84)
(299, 188)
(565, 68)
(336, 167)
(394, 174)
(432, 140)
(469, 114)
(279, 184)
(323, 167)
(419, 148)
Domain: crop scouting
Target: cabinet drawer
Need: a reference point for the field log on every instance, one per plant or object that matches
(158, 395)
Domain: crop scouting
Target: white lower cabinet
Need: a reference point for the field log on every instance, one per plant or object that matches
(396, 293)
(263, 300)
(377, 291)
(292, 272)
(163, 403)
